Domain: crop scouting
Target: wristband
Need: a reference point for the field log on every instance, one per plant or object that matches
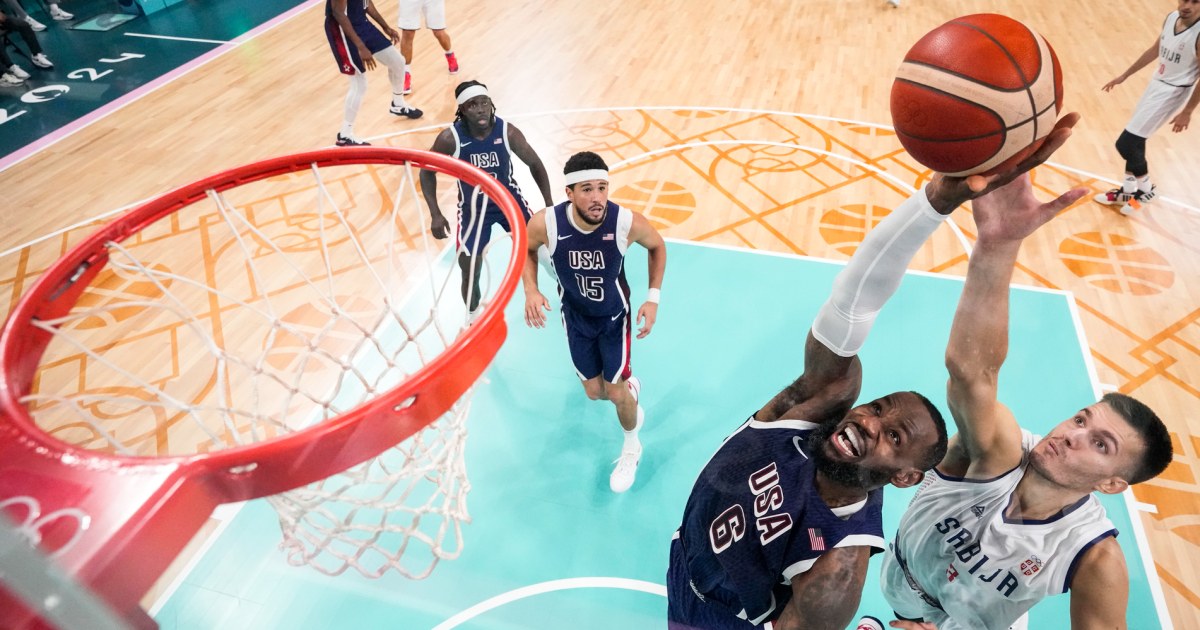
(652, 295)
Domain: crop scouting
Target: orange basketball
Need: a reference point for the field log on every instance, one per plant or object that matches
(976, 94)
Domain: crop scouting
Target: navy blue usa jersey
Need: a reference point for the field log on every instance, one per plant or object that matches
(754, 521)
(590, 265)
(492, 156)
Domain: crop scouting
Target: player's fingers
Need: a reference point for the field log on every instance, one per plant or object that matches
(1064, 201)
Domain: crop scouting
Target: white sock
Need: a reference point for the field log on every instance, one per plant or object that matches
(1143, 183)
(1130, 183)
(398, 100)
(631, 437)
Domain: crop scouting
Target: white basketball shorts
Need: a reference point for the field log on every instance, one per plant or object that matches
(411, 11)
(1159, 104)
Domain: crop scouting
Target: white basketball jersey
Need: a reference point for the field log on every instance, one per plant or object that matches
(1177, 64)
(983, 569)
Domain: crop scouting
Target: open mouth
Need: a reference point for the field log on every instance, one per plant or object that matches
(849, 441)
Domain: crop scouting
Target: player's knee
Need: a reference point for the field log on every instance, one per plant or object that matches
(1131, 147)
(594, 390)
(616, 391)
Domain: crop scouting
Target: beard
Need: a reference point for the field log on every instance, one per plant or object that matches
(583, 217)
(847, 474)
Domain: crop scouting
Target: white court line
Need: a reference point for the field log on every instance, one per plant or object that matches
(549, 587)
(179, 39)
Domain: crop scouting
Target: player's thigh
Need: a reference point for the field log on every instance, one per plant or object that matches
(615, 343)
(410, 15)
(582, 343)
(1158, 104)
(435, 14)
(475, 229)
(345, 53)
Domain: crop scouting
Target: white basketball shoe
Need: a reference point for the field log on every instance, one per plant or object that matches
(625, 471)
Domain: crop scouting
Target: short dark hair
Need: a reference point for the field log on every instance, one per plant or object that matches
(934, 457)
(1153, 431)
(584, 161)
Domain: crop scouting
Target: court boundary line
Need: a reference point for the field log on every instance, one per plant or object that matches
(541, 588)
(71, 128)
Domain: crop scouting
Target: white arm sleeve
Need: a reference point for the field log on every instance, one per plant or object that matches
(873, 274)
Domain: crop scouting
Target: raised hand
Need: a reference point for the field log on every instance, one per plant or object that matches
(947, 193)
(1011, 212)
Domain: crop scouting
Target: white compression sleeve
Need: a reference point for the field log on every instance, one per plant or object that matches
(873, 274)
(354, 96)
(394, 61)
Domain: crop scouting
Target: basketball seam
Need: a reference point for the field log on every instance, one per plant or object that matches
(1041, 65)
(964, 77)
(980, 106)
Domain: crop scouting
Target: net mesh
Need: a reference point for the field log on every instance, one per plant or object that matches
(264, 309)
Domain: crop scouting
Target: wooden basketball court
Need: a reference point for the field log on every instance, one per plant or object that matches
(728, 123)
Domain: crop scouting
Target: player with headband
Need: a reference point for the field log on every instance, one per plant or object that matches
(587, 237)
(481, 138)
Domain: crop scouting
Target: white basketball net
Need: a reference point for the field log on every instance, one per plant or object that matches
(265, 309)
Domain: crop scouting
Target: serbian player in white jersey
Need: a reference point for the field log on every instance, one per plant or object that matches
(481, 138)
(1171, 92)
(782, 520)
(587, 237)
(1008, 518)
(356, 44)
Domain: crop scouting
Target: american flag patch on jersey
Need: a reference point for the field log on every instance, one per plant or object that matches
(498, 141)
(607, 237)
(815, 540)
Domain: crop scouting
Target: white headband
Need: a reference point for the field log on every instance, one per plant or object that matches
(575, 177)
(470, 93)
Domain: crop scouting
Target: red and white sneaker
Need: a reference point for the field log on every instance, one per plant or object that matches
(407, 83)
(452, 62)
(1114, 197)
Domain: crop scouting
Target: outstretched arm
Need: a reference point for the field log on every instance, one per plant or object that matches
(439, 227)
(1143, 60)
(988, 433)
(832, 372)
(827, 595)
(521, 148)
(644, 234)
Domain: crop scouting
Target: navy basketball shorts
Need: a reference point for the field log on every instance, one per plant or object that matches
(345, 53)
(685, 609)
(598, 345)
(473, 237)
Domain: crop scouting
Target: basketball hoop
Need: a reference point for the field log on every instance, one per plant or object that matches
(250, 334)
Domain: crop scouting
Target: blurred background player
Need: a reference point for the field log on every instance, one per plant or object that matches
(587, 237)
(1172, 87)
(356, 43)
(1007, 519)
(434, 14)
(481, 138)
